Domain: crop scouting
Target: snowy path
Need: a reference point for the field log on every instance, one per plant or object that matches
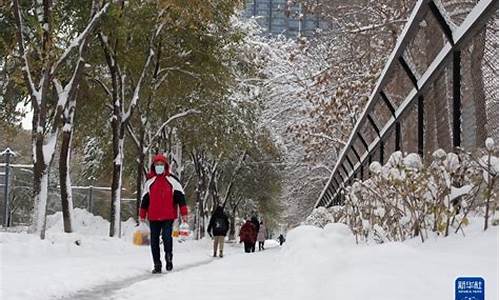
(326, 264)
(169, 283)
(237, 277)
(104, 291)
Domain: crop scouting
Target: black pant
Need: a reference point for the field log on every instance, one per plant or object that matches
(261, 245)
(248, 246)
(165, 229)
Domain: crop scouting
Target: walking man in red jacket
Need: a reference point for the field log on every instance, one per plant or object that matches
(162, 195)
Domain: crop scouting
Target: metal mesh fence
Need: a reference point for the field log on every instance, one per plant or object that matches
(442, 82)
(93, 199)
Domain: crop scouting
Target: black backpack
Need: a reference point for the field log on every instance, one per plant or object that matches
(220, 224)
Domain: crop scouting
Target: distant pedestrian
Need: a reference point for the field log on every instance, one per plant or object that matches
(248, 234)
(261, 236)
(217, 228)
(163, 193)
(256, 223)
(281, 239)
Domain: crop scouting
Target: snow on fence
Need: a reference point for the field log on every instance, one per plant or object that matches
(438, 90)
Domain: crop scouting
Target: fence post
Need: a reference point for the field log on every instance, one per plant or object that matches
(382, 152)
(7, 153)
(91, 192)
(398, 136)
(456, 100)
(420, 126)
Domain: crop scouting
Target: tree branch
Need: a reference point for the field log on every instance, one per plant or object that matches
(103, 85)
(81, 38)
(26, 68)
(233, 176)
(324, 136)
(137, 89)
(172, 118)
(134, 137)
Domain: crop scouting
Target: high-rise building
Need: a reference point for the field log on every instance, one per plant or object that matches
(280, 17)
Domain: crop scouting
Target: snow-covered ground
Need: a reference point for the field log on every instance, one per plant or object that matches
(314, 263)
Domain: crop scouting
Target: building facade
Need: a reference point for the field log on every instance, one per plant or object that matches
(280, 17)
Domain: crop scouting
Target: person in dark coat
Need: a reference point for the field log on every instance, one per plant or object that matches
(162, 194)
(217, 229)
(256, 223)
(248, 235)
(281, 239)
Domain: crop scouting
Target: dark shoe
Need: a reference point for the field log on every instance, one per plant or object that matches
(156, 270)
(170, 265)
(221, 255)
(215, 254)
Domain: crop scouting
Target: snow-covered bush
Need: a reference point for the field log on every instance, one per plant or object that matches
(406, 198)
(319, 217)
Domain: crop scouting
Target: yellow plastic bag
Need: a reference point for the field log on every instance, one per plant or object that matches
(141, 235)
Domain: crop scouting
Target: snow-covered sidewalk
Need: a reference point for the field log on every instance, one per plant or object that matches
(55, 267)
(314, 263)
(240, 276)
(326, 264)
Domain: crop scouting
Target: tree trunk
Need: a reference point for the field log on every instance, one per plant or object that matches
(116, 185)
(65, 181)
(40, 190)
(201, 210)
(41, 180)
(232, 226)
(64, 165)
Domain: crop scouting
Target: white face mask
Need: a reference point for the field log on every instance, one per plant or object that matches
(159, 169)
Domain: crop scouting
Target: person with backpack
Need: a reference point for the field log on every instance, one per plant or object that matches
(217, 229)
(261, 236)
(248, 234)
(162, 195)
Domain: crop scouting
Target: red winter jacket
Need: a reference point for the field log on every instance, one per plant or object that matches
(161, 195)
(248, 233)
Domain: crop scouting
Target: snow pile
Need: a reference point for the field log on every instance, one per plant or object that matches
(328, 264)
(308, 241)
(86, 223)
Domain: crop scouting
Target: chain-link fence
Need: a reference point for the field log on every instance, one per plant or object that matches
(19, 191)
(439, 89)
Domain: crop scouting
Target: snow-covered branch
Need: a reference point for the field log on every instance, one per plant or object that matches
(137, 89)
(326, 137)
(171, 119)
(375, 26)
(134, 137)
(26, 66)
(233, 177)
(81, 38)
